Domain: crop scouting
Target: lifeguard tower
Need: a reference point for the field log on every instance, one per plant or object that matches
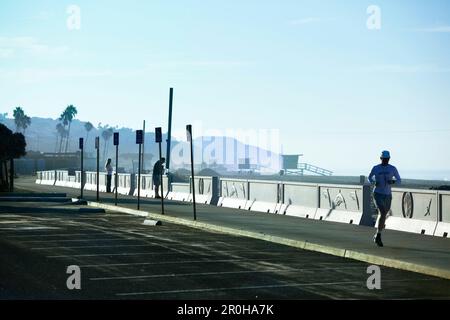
(292, 166)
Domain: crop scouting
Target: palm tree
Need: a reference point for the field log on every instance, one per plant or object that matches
(18, 114)
(67, 116)
(21, 120)
(106, 135)
(88, 126)
(60, 133)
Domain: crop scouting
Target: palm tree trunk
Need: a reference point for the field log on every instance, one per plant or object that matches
(56, 144)
(104, 149)
(1, 174)
(61, 143)
(5, 164)
(68, 137)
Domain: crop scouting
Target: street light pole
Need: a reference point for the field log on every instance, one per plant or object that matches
(81, 146)
(97, 147)
(189, 138)
(116, 143)
(139, 139)
(158, 139)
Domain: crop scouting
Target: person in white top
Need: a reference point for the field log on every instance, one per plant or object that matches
(382, 176)
(109, 172)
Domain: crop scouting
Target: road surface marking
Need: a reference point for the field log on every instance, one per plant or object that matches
(270, 270)
(212, 254)
(259, 287)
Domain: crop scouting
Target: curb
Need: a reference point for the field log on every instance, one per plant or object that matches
(305, 245)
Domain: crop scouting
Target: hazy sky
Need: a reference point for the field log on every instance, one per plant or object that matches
(336, 90)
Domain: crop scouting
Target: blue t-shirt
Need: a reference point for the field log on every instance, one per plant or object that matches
(383, 178)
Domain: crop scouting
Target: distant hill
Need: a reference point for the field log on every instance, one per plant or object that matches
(222, 153)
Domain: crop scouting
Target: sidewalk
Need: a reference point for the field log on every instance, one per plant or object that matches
(412, 252)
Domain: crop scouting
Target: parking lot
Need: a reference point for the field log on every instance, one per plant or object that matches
(120, 258)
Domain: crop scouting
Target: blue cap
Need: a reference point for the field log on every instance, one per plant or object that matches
(385, 155)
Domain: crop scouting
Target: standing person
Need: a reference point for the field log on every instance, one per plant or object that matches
(382, 175)
(158, 169)
(109, 172)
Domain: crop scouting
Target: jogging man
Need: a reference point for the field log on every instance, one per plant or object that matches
(382, 175)
(158, 170)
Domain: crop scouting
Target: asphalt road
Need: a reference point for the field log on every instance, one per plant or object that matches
(120, 258)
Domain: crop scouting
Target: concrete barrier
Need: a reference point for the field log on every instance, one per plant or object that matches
(90, 181)
(48, 177)
(77, 183)
(300, 199)
(179, 191)
(264, 196)
(38, 177)
(125, 184)
(233, 193)
(340, 203)
(206, 190)
(443, 225)
(147, 189)
(413, 210)
(62, 178)
(71, 181)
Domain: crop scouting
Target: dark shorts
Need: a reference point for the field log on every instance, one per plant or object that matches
(156, 180)
(383, 201)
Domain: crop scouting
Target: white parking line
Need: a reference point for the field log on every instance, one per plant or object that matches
(171, 275)
(54, 235)
(257, 287)
(181, 261)
(90, 247)
(212, 254)
(80, 240)
(34, 228)
(14, 221)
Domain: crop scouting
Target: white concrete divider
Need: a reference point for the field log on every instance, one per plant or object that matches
(103, 181)
(179, 191)
(90, 181)
(443, 225)
(125, 184)
(71, 181)
(147, 189)
(48, 177)
(414, 210)
(300, 199)
(206, 189)
(340, 203)
(38, 177)
(264, 196)
(62, 178)
(233, 193)
(77, 183)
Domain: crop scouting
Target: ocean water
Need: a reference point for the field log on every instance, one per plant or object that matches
(435, 175)
(442, 175)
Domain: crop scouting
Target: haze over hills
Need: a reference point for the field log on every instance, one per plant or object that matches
(224, 153)
(221, 153)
